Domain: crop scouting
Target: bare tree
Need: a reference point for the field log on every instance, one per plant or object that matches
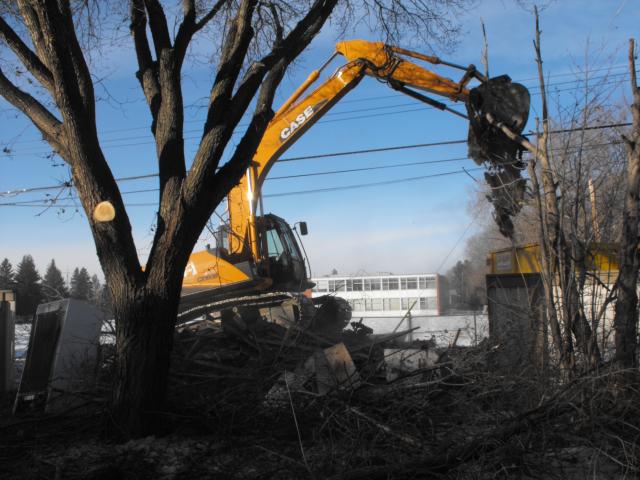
(573, 171)
(259, 41)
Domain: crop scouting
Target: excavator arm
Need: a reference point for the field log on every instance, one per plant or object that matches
(299, 113)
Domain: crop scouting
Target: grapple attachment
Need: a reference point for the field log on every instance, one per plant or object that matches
(508, 103)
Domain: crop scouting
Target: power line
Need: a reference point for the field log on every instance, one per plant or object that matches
(455, 245)
(366, 169)
(333, 154)
(51, 203)
(372, 184)
(282, 194)
(372, 150)
(107, 145)
(312, 174)
(358, 100)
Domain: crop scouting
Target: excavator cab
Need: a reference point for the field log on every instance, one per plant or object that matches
(281, 258)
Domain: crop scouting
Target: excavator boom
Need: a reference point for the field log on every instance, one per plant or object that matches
(297, 115)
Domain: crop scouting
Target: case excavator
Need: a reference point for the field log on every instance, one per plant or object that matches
(258, 260)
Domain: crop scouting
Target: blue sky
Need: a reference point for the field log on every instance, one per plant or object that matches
(402, 227)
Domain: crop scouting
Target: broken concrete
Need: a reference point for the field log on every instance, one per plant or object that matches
(62, 355)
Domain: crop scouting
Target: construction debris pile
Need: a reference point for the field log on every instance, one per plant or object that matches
(257, 399)
(267, 361)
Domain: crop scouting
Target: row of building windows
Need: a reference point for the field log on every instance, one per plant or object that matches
(392, 304)
(374, 284)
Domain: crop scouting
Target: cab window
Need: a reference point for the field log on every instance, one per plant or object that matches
(274, 245)
(293, 249)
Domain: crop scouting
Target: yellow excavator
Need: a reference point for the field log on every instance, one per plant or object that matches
(257, 259)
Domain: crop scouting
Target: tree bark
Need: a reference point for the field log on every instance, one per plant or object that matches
(145, 319)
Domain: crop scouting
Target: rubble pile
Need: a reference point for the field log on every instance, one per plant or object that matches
(213, 362)
(255, 399)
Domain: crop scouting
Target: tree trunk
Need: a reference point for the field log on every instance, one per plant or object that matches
(145, 320)
(626, 312)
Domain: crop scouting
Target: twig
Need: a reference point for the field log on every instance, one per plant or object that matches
(401, 436)
(295, 420)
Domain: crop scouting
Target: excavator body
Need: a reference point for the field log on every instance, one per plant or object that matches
(257, 257)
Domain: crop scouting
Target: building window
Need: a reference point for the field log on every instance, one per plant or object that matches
(390, 284)
(321, 286)
(428, 303)
(336, 285)
(373, 304)
(409, 283)
(392, 304)
(358, 305)
(377, 304)
(357, 284)
(406, 303)
(372, 284)
(427, 282)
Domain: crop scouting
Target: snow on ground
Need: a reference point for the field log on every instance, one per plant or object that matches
(22, 340)
(442, 328)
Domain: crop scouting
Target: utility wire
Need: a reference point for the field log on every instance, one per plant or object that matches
(455, 245)
(312, 174)
(283, 194)
(331, 154)
(108, 145)
(356, 100)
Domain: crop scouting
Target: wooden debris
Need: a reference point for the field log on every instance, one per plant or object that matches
(400, 361)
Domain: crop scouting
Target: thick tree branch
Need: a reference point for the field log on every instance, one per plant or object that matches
(73, 86)
(233, 53)
(158, 26)
(33, 27)
(206, 18)
(219, 124)
(274, 64)
(82, 73)
(284, 51)
(147, 69)
(91, 174)
(28, 58)
(43, 119)
(190, 26)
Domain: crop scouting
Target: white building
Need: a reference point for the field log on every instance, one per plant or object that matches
(381, 296)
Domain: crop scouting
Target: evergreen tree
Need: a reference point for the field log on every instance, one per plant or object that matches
(27, 286)
(53, 285)
(95, 295)
(7, 277)
(80, 284)
(100, 296)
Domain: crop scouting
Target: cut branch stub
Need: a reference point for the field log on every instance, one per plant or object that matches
(104, 212)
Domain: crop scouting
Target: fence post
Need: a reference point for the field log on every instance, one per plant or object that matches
(475, 329)
(7, 341)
